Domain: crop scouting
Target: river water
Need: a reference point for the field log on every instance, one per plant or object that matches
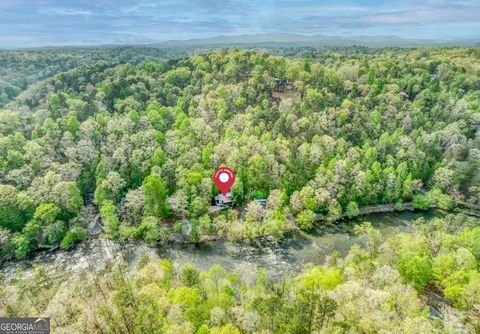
(290, 256)
(283, 258)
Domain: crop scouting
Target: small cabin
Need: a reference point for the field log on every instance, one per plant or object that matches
(223, 200)
(282, 85)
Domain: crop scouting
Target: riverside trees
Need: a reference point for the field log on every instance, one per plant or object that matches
(366, 128)
(377, 286)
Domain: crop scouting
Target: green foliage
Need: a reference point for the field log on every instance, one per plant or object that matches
(320, 278)
(151, 231)
(72, 125)
(463, 288)
(73, 235)
(32, 230)
(155, 191)
(260, 194)
(443, 266)
(369, 236)
(23, 68)
(22, 245)
(470, 239)
(185, 296)
(11, 214)
(178, 77)
(178, 226)
(109, 218)
(305, 219)
(359, 128)
(205, 224)
(55, 232)
(441, 200)
(68, 199)
(334, 211)
(159, 157)
(352, 210)
(355, 293)
(46, 212)
(415, 269)
(198, 206)
(190, 276)
(421, 202)
(194, 233)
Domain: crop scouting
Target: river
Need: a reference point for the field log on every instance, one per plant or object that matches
(282, 258)
(291, 255)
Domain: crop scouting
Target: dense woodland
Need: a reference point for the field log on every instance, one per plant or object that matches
(352, 128)
(376, 288)
(20, 69)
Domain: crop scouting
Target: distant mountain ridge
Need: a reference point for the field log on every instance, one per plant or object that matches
(275, 40)
(309, 40)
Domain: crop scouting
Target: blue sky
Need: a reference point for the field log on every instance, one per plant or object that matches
(53, 22)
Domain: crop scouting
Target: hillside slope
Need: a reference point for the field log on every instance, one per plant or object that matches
(369, 129)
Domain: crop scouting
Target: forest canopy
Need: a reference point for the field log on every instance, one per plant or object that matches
(20, 69)
(125, 142)
(319, 136)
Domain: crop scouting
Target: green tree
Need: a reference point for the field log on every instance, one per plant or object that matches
(22, 245)
(352, 210)
(46, 212)
(305, 219)
(369, 236)
(416, 269)
(421, 202)
(109, 218)
(151, 230)
(334, 211)
(11, 216)
(443, 201)
(155, 191)
(190, 276)
(74, 235)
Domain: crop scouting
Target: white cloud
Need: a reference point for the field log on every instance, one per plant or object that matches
(66, 11)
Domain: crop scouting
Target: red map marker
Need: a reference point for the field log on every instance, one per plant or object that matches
(224, 179)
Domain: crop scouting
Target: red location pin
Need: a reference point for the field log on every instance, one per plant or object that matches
(224, 179)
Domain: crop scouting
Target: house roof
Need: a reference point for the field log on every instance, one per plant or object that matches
(228, 198)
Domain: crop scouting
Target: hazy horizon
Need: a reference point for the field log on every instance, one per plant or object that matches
(106, 22)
